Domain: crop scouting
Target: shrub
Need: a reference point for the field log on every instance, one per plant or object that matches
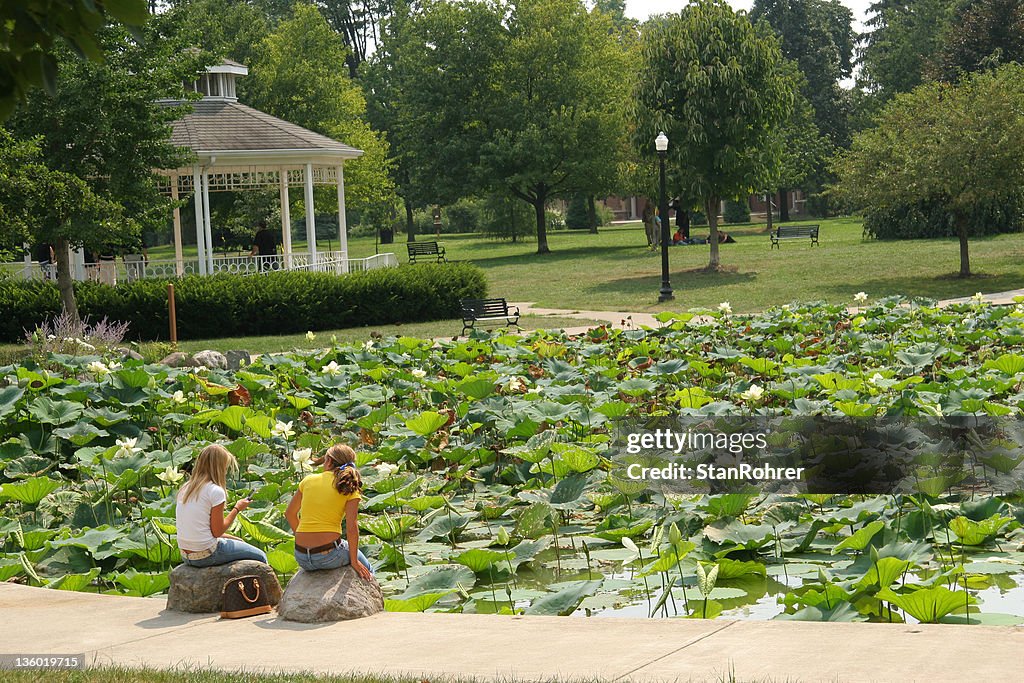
(576, 217)
(736, 212)
(244, 305)
(930, 219)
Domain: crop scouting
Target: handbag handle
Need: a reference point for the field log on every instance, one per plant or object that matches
(241, 589)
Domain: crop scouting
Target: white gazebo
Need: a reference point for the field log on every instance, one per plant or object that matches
(237, 147)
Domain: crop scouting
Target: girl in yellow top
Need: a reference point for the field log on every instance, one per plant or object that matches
(316, 511)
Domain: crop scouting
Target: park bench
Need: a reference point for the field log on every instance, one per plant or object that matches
(786, 232)
(431, 249)
(487, 311)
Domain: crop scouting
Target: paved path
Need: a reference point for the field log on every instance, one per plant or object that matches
(137, 632)
(628, 319)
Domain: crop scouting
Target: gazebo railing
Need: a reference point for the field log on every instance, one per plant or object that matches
(134, 268)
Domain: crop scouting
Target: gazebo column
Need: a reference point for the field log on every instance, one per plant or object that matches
(206, 227)
(310, 217)
(77, 260)
(342, 223)
(197, 186)
(179, 261)
(286, 220)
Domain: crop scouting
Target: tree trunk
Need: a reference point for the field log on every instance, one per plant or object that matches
(783, 205)
(410, 223)
(539, 204)
(683, 221)
(965, 258)
(591, 214)
(64, 282)
(712, 209)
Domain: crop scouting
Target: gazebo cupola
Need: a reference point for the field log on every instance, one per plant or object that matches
(219, 81)
(236, 147)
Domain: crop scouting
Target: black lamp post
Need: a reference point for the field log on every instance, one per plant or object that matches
(661, 144)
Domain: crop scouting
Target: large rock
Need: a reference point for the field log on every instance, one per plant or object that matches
(179, 359)
(211, 359)
(198, 589)
(330, 595)
(238, 359)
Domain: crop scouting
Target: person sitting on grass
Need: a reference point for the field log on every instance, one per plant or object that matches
(316, 512)
(678, 237)
(200, 514)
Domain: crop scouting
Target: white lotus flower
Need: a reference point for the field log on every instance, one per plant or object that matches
(978, 297)
(126, 447)
(754, 393)
(302, 459)
(418, 373)
(860, 297)
(310, 336)
(386, 469)
(331, 368)
(368, 346)
(171, 475)
(516, 385)
(725, 308)
(283, 430)
(98, 368)
(178, 396)
(876, 378)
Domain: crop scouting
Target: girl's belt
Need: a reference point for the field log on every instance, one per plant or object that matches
(198, 555)
(325, 548)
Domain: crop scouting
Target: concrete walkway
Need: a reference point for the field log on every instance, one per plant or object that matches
(137, 632)
(635, 319)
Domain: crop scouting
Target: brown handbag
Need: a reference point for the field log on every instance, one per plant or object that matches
(243, 597)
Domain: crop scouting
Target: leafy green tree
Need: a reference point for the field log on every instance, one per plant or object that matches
(296, 77)
(44, 206)
(904, 38)
(982, 34)
(957, 144)
(524, 99)
(106, 125)
(719, 89)
(358, 22)
(33, 31)
(817, 35)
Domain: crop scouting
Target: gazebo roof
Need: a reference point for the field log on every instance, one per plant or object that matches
(224, 129)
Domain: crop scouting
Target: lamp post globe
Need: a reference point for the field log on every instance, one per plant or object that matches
(661, 145)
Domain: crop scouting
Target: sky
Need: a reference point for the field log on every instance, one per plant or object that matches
(641, 9)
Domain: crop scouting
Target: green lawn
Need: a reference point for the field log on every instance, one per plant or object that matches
(615, 270)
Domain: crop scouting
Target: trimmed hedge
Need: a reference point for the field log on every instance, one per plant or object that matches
(251, 305)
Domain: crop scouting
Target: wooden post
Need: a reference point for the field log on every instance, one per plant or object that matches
(173, 314)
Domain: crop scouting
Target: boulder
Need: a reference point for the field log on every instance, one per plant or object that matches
(178, 359)
(330, 595)
(198, 589)
(238, 359)
(211, 359)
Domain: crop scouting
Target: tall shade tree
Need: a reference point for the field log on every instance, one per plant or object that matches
(525, 99)
(958, 144)
(817, 35)
(106, 125)
(33, 31)
(902, 40)
(39, 204)
(719, 89)
(983, 34)
(296, 76)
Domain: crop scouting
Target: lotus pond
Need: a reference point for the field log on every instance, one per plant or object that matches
(488, 486)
